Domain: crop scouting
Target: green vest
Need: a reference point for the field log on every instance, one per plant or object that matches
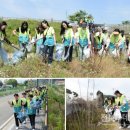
(99, 39)
(83, 34)
(120, 99)
(115, 38)
(17, 104)
(68, 34)
(25, 33)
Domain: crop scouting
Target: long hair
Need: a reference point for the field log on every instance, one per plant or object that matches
(62, 28)
(1, 24)
(45, 22)
(39, 29)
(22, 26)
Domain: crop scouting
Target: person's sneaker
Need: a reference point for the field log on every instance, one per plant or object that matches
(120, 127)
(128, 127)
(17, 128)
(33, 129)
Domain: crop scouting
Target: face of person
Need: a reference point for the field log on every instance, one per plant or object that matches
(24, 26)
(117, 95)
(16, 97)
(64, 25)
(3, 27)
(44, 25)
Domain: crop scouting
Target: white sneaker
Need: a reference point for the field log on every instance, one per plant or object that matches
(120, 127)
(17, 128)
(33, 129)
(128, 127)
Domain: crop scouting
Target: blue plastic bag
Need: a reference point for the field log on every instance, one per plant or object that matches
(59, 52)
(22, 116)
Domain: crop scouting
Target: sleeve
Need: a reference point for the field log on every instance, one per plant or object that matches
(52, 30)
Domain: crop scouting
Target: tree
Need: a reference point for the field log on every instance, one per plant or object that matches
(78, 15)
(126, 22)
(12, 82)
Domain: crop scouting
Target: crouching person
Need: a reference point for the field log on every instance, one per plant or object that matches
(17, 105)
(31, 108)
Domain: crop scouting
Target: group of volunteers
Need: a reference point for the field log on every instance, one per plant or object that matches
(28, 106)
(84, 38)
(118, 107)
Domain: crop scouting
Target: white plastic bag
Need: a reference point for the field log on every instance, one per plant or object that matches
(117, 115)
(87, 52)
(115, 53)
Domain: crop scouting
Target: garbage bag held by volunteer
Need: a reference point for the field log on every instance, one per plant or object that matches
(22, 116)
(59, 52)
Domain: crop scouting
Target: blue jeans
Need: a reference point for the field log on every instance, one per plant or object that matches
(38, 49)
(48, 50)
(3, 54)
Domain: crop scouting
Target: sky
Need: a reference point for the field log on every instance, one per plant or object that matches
(106, 85)
(104, 11)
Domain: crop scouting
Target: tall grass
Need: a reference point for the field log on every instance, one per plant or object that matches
(86, 116)
(56, 108)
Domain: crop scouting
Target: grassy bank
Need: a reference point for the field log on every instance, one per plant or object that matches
(34, 67)
(56, 108)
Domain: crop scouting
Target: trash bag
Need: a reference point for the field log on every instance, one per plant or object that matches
(59, 52)
(102, 52)
(22, 116)
(115, 53)
(29, 47)
(18, 56)
(38, 104)
(87, 52)
(117, 115)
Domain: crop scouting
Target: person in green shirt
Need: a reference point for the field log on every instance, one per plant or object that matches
(67, 37)
(23, 34)
(49, 41)
(115, 40)
(98, 40)
(17, 105)
(84, 40)
(31, 108)
(122, 103)
(3, 53)
(39, 39)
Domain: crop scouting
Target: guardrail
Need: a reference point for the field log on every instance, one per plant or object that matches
(46, 112)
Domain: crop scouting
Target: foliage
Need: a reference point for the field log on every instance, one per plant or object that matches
(12, 82)
(126, 22)
(56, 108)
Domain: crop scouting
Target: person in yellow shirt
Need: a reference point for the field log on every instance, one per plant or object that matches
(122, 103)
(115, 40)
(49, 41)
(67, 37)
(123, 40)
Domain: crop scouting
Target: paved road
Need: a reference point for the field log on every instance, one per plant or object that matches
(5, 110)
